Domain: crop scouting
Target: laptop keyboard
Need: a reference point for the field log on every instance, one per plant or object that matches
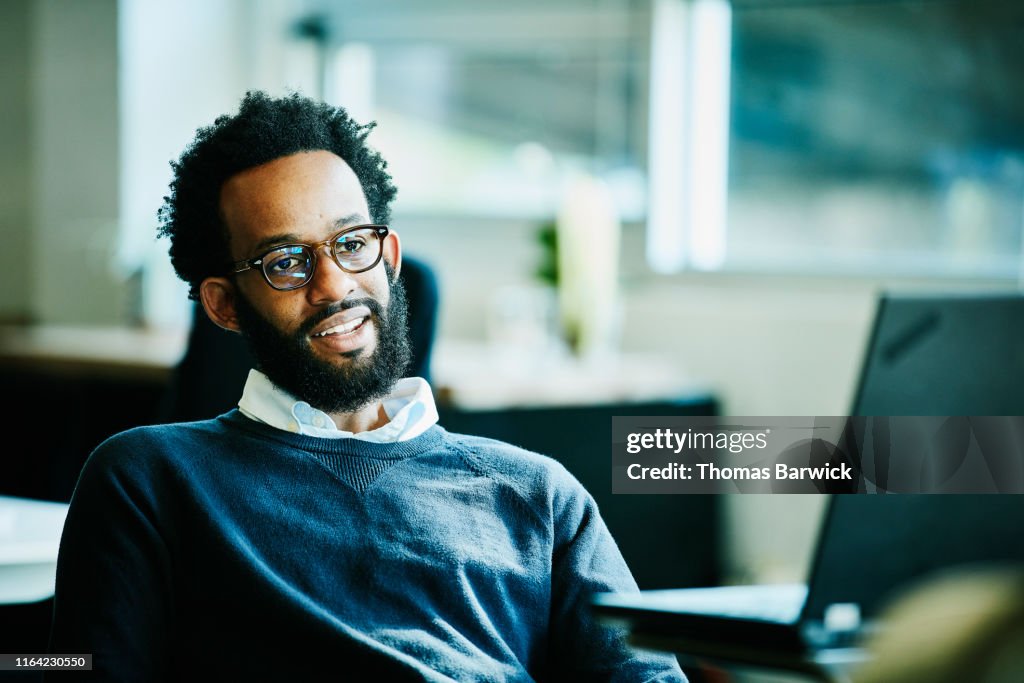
(774, 603)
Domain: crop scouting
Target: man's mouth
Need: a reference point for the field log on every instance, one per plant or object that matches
(345, 328)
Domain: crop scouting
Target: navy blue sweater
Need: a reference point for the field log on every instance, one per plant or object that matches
(230, 548)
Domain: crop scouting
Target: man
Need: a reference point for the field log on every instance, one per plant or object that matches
(328, 524)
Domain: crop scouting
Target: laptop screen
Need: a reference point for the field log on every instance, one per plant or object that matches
(872, 546)
(944, 355)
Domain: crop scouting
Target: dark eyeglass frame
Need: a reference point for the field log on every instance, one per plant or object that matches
(381, 231)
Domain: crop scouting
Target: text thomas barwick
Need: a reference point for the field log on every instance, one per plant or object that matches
(709, 471)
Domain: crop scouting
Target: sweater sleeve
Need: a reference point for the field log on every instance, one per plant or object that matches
(587, 560)
(113, 587)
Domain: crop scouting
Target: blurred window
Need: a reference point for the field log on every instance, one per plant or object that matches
(490, 109)
(877, 137)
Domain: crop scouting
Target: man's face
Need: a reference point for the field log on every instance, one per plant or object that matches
(340, 341)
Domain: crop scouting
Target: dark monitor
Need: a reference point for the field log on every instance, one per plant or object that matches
(944, 355)
(873, 547)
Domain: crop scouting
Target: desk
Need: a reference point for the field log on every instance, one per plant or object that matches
(827, 666)
(108, 352)
(29, 538)
(475, 376)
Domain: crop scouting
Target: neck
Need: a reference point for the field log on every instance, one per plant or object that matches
(363, 420)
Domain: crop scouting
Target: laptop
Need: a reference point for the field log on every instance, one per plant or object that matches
(869, 548)
(926, 356)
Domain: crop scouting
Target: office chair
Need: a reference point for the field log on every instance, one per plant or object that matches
(209, 379)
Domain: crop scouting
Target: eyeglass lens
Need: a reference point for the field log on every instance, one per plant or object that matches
(292, 266)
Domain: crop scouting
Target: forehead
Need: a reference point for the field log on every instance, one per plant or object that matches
(300, 196)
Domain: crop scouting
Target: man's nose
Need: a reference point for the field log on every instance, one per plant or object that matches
(330, 283)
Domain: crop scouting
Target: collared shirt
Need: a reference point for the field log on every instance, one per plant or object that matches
(410, 409)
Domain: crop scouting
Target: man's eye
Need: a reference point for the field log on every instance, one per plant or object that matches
(350, 246)
(285, 264)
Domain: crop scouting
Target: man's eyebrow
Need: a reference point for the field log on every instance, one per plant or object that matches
(292, 238)
(276, 240)
(351, 219)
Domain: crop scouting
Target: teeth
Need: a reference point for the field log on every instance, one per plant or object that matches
(341, 329)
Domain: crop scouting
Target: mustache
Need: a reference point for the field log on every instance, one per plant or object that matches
(376, 310)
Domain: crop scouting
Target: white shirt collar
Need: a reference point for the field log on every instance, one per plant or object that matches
(410, 409)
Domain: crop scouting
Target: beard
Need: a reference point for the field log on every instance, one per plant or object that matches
(289, 362)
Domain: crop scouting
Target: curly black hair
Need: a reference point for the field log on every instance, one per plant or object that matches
(265, 128)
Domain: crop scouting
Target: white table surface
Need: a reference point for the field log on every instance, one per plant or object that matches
(29, 538)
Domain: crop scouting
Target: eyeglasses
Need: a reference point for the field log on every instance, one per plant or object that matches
(290, 266)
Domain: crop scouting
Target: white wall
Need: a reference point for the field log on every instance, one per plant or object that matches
(15, 158)
(73, 137)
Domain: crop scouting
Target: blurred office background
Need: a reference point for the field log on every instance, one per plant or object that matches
(755, 172)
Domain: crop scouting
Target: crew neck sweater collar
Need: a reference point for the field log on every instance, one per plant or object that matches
(431, 439)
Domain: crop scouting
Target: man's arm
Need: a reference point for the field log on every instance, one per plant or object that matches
(114, 590)
(587, 560)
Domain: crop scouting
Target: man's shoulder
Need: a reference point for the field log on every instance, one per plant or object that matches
(151, 445)
(166, 433)
(501, 453)
(514, 464)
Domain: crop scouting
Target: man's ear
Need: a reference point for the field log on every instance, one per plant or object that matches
(393, 252)
(217, 295)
